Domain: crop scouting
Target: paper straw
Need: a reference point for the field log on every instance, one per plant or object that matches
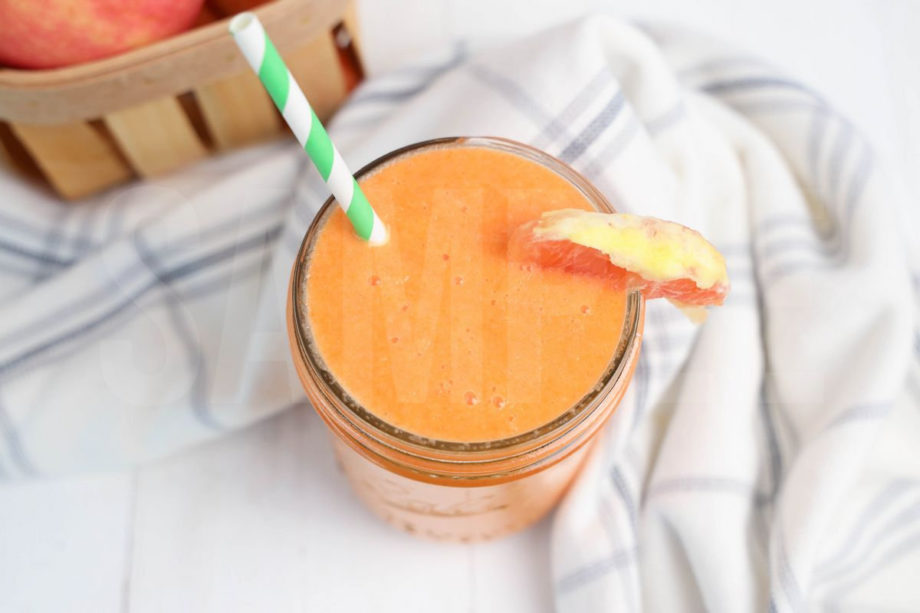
(264, 59)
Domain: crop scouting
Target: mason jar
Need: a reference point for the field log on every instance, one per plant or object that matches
(448, 490)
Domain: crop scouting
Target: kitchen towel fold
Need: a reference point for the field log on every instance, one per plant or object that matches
(764, 460)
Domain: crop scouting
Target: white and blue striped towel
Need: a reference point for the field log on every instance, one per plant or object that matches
(766, 460)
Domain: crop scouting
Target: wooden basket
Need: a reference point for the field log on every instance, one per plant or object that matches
(157, 108)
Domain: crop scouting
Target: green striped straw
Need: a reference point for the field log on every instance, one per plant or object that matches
(264, 59)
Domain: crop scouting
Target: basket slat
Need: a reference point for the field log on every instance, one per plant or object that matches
(15, 156)
(237, 111)
(156, 136)
(316, 68)
(76, 158)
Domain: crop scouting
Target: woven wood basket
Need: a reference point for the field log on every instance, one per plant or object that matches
(152, 110)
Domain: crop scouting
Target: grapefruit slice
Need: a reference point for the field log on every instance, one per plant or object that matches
(662, 259)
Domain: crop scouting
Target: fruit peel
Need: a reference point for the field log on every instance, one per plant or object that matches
(661, 259)
(655, 249)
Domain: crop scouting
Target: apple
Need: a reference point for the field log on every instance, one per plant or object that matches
(55, 33)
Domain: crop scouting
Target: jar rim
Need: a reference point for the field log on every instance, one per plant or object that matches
(422, 446)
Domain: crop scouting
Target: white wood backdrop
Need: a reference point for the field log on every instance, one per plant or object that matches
(261, 521)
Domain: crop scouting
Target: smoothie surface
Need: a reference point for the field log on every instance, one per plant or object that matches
(438, 332)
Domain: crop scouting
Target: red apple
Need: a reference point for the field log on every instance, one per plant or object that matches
(54, 33)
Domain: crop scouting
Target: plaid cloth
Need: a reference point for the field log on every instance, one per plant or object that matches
(764, 460)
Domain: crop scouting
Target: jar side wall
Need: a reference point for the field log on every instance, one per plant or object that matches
(459, 514)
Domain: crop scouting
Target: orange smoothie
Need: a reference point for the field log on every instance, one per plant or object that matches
(437, 332)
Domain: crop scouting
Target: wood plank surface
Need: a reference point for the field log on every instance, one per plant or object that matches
(76, 158)
(156, 137)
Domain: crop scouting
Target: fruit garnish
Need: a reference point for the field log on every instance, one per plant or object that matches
(662, 259)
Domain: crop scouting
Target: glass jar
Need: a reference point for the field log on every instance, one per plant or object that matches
(448, 490)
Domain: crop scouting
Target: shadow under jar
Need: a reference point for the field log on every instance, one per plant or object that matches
(450, 490)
